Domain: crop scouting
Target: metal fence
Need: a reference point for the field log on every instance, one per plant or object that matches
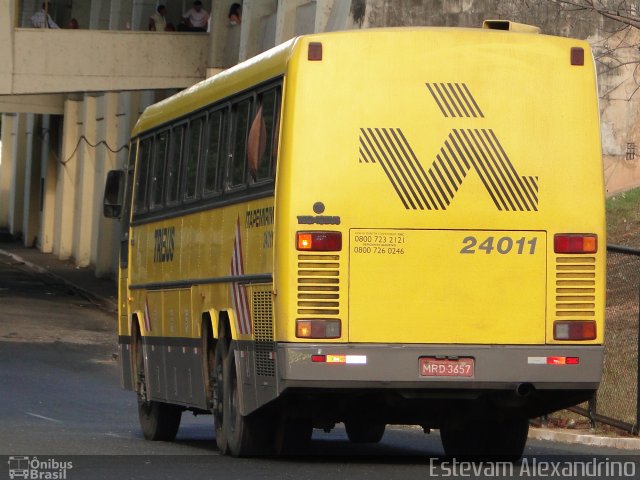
(617, 402)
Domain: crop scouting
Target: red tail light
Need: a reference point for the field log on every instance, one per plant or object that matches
(319, 241)
(575, 330)
(318, 328)
(575, 243)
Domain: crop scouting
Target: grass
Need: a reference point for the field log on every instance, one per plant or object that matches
(623, 218)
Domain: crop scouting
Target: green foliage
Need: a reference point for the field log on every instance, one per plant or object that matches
(623, 218)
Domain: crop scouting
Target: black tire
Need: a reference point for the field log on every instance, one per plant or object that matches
(246, 436)
(158, 420)
(363, 431)
(292, 435)
(220, 353)
(502, 440)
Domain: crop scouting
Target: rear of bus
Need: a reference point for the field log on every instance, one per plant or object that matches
(440, 230)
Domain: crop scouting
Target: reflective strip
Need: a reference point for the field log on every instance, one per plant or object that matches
(537, 360)
(357, 359)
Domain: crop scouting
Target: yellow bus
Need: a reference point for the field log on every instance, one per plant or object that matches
(393, 226)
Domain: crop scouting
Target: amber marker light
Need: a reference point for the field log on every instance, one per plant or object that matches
(319, 241)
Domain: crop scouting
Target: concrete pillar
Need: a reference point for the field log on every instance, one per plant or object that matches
(94, 14)
(120, 15)
(16, 192)
(258, 27)
(224, 39)
(48, 180)
(9, 125)
(334, 15)
(9, 10)
(141, 11)
(85, 182)
(82, 12)
(31, 191)
(66, 184)
(105, 231)
(287, 21)
(147, 97)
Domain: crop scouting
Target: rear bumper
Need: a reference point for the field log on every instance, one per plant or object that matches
(497, 367)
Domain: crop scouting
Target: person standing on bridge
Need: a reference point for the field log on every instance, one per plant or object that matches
(195, 19)
(42, 19)
(158, 21)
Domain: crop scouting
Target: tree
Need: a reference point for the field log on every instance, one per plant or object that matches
(617, 49)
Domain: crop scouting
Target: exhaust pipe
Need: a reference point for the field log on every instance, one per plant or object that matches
(524, 389)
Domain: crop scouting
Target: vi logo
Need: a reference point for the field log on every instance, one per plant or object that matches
(464, 150)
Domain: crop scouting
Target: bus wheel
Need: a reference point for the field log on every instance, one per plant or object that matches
(363, 431)
(159, 421)
(245, 435)
(219, 413)
(493, 440)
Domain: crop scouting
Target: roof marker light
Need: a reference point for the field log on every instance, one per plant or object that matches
(577, 56)
(314, 54)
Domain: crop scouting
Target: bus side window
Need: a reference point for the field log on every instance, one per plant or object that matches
(142, 174)
(193, 158)
(262, 144)
(161, 146)
(172, 188)
(214, 152)
(240, 115)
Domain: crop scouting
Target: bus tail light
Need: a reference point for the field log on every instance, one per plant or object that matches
(319, 241)
(318, 328)
(575, 330)
(575, 243)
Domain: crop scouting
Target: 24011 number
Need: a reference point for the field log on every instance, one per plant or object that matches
(503, 245)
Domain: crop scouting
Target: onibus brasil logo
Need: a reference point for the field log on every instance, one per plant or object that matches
(38, 469)
(464, 150)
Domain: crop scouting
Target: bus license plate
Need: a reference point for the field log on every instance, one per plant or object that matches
(445, 367)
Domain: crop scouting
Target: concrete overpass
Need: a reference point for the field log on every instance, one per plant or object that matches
(71, 97)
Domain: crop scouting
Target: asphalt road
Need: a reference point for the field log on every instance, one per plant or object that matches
(60, 402)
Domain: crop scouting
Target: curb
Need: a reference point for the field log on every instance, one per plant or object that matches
(564, 436)
(98, 300)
